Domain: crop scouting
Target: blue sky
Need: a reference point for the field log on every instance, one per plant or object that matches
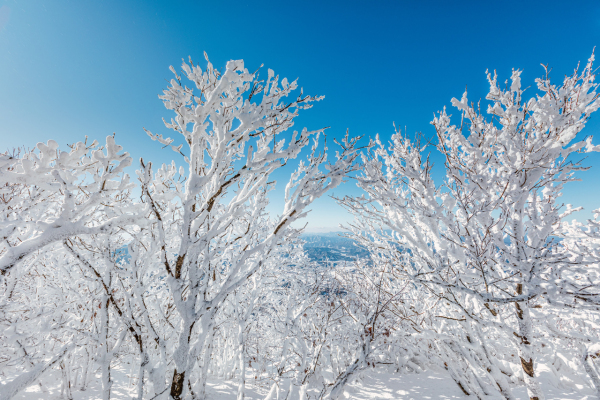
(75, 68)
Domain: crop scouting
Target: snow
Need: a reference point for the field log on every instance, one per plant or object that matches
(376, 384)
(461, 289)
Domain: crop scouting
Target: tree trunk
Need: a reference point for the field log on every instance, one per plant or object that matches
(182, 354)
(200, 385)
(177, 384)
(104, 348)
(242, 364)
(84, 373)
(525, 348)
(66, 380)
(140, 384)
(588, 364)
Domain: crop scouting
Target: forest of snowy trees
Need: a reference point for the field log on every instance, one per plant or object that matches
(179, 275)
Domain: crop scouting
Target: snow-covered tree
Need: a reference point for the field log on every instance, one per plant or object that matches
(49, 195)
(195, 239)
(485, 238)
(479, 276)
(233, 126)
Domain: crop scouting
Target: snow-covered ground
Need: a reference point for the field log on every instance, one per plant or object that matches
(374, 385)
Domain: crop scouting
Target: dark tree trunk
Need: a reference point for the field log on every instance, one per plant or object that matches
(177, 385)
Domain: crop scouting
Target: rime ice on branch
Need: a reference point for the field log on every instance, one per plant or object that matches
(217, 235)
(480, 276)
(50, 195)
(485, 239)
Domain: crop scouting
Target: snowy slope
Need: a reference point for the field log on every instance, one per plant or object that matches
(374, 385)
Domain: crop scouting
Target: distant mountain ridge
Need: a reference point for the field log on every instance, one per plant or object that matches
(332, 246)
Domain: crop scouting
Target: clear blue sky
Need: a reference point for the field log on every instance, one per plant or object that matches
(75, 68)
